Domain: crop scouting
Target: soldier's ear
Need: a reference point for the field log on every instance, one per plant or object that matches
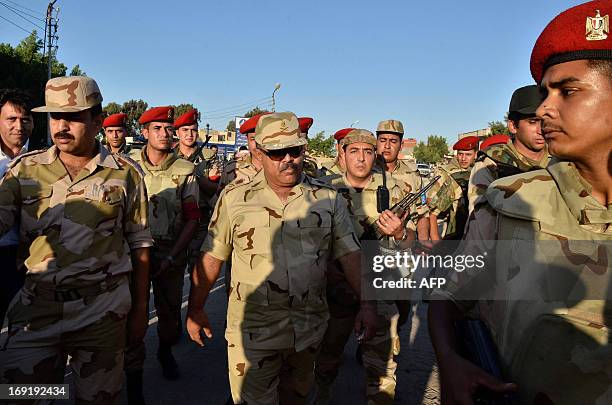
(512, 127)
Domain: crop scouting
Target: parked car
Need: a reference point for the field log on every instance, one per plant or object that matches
(424, 169)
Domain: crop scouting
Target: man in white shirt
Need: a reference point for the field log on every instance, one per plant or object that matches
(16, 126)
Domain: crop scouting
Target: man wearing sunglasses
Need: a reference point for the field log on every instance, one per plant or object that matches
(280, 229)
(358, 188)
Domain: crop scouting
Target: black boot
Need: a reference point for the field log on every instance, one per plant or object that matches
(168, 363)
(134, 387)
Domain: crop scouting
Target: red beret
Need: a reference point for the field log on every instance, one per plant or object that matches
(157, 114)
(467, 143)
(305, 124)
(189, 118)
(249, 125)
(115, 120)
(340, 134)
(565, 39)
(494, 140)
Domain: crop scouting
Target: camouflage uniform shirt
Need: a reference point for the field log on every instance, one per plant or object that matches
(547, 284)
(496, 162)
(73, 225)
(279, 257)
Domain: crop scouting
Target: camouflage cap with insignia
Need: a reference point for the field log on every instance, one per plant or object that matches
(70, 94)
(359, 136)
(390, 127)
(278, 131)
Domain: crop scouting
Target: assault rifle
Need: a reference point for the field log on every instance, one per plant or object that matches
(402, 206)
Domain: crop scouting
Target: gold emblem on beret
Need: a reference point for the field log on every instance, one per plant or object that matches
(597, 27)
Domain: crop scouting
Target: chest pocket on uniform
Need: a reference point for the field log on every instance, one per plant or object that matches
(315, 232)
(164, 205)
(35, 200)
(99, 210)
(252, 239)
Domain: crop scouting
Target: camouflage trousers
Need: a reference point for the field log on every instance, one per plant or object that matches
(377, 353)
(167, 298)
(267, 376)
(91, 331)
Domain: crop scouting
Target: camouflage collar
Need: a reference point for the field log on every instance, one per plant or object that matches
(167, 162)
(103, 158)
(576, 193)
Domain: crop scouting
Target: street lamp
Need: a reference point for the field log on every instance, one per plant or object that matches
(354, 123)
(278, 86)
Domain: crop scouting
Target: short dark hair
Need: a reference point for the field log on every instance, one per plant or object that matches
(16, 97)
(515, 117)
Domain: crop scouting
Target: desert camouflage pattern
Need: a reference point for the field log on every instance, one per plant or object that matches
(72, 224)
(343, 304)
(81, 232)
(235, 173)
(70, 94)
(359, 136)
(329, 168)
(170, 185)
(279, 256)
(497, 162)
(252, 382)
(393, 126)
(552, 206)
(406, 172)
(446, 197)
(278, 131)
(310, 166)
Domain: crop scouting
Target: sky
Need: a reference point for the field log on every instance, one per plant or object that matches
(441, 68)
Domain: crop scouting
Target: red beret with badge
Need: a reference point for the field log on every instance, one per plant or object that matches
(115, 120)
(157, 114)
(499, 139)
(305, 124)
(188, 118)
(248, 126)
(566, 39)
(340, 134)
(467, 143)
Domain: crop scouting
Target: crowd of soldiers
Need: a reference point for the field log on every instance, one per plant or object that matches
(89, 228)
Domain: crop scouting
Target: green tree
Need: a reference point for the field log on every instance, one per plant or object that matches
(134, 109)
(433, 151)
(182, 109)
(111, 108)
(321, 146)
(76, 71)
(498, 127)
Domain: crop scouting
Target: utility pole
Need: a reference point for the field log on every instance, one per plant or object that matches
(50, 33)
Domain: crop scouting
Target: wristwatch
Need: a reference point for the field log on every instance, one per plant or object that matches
(398, 241)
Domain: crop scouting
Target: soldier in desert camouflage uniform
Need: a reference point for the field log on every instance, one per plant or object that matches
(115, 131)
(84, 212)
(173, 217)
(358, 188)
(280, 229)
(554, 345)
(206, 173)
(527, 150)
(447, 199)
(389, 134)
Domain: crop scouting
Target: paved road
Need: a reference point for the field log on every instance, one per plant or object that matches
(204, 370)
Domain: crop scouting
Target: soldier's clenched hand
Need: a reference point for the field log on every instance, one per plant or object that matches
(390, 224)
(196, 324)
(365, 322)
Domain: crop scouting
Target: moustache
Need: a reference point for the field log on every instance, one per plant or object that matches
(551, 128)
(288, 166)
(63, 135)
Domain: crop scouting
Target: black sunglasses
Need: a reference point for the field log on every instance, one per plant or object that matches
(279, 154)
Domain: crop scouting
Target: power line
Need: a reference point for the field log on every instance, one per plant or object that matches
(28, 14)
(24, 7)
(18, 26)
(17, 13)
(236, 113)
(235, 107)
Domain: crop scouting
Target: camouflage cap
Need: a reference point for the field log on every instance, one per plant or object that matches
(278, 131)
(70, 94)
(390, 127)
(359, 136)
